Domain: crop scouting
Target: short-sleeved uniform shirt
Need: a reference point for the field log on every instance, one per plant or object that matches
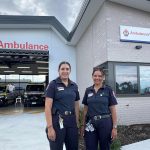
(63, 96)
(99, 103)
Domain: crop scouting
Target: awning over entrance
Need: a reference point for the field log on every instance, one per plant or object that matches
(23, 62)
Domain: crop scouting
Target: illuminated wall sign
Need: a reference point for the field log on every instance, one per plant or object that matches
(134, 34)
(23, 46)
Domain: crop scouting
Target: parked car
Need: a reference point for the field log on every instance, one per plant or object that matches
(6, 97)
(34, 95)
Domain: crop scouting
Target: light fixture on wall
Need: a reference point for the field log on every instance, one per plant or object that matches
(138, 46)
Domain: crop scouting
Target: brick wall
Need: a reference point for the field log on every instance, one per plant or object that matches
(101, 42)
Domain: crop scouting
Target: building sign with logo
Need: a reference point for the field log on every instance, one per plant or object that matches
(134, 34)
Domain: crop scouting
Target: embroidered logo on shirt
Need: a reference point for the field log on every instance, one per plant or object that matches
(60, 88)
(90, 94)
(101, 94)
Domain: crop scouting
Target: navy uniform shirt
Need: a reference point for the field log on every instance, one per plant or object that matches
(98, 103)
(63, 96)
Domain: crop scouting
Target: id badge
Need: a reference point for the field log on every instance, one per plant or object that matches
(89, 127)
(61, 124)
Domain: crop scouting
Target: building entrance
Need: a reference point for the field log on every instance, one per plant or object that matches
(18, 68)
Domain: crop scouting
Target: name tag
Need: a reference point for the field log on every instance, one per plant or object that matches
(90, 94)
(60, 88)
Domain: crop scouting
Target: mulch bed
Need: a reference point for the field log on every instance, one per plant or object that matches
(133, 133)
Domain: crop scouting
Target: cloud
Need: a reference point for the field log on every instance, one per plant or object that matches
(7, 7)
(30, 7)
(65, 11)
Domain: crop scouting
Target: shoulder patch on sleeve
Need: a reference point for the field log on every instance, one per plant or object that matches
(114, 94)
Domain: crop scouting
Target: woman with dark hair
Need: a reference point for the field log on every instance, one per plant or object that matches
(99, 115)
(62, 110)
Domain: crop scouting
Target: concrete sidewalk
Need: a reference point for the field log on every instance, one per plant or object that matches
(23, 132)
(142, 145)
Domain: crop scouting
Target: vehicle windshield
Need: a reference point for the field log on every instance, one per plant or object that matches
(35, 88)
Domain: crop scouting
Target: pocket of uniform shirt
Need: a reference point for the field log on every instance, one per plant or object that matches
(104, 94)
(59, 94)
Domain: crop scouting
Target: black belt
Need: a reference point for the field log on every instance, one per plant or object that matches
(66, 113)
(98, 117)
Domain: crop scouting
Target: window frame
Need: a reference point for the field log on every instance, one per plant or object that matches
(111, 76)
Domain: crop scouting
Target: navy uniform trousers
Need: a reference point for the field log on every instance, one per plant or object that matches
(101, 135)
(68, 135)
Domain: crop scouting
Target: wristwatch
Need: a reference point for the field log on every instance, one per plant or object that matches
(115, 126)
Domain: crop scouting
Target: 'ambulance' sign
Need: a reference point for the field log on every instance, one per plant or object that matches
(24, 46)
(134, 34)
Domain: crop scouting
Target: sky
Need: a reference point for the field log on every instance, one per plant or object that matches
(65, 11)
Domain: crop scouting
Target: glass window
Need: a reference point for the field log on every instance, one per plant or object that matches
(12, 78)
(32, 78)
(25, 78)
(126, 79)
(2, 78)
(145, 79)
(38, 78)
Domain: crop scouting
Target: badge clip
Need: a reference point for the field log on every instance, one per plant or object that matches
(61, 124)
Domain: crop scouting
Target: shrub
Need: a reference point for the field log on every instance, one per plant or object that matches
(116, 145)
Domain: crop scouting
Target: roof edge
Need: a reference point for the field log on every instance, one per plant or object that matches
(21, 22)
